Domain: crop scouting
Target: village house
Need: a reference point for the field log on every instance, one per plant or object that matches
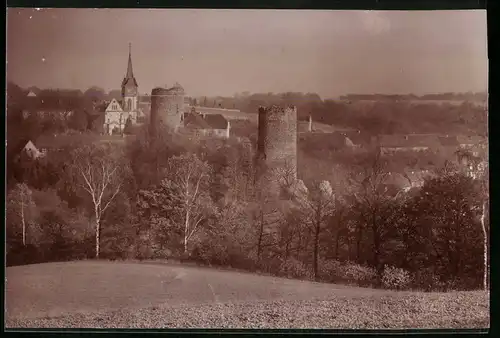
(205, 125)
(61, 107)
(477, 145)
(389, 144)
(27, 148)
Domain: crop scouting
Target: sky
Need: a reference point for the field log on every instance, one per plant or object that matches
(223, 52)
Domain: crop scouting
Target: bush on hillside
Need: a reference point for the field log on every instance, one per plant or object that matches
(427, 280)
(294, 268)
(357, 274)
(395, 278)
(329, 270)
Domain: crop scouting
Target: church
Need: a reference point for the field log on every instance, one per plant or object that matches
(118, 112)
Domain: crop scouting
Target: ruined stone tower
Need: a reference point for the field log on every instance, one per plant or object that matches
(277, 142)
(167, 107)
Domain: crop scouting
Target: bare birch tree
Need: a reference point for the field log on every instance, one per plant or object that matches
(99, 173)
(20, 205)
(188, 177)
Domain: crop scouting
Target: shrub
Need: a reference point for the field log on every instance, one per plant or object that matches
(270, 264)
(294, 268)
(427, 280)
(329, 270)
(359, 274)
(395, 278)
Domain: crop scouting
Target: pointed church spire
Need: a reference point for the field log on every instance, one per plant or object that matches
(130, 73)
(129, 78)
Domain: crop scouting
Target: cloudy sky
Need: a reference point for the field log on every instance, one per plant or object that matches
(221, 52)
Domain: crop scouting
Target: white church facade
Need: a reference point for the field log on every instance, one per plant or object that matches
(117, 113)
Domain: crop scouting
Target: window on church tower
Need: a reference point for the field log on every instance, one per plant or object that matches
(129, 104)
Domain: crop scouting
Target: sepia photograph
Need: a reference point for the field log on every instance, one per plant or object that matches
(246, 169)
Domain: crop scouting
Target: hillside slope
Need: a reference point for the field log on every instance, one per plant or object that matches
(107, 294)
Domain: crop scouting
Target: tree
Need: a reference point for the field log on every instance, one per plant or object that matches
(79, 120)
(189, 177)
(371, 202)
(21, 209)
(449, 206)
(477, 168)
(95, 94)
(99, 172)
(181, 203)
(318, 209)
(148, 155)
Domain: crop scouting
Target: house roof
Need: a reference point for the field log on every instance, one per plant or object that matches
(38, 103)
(114, 101)
(195, 120)
(18, 146)
(230, 114)
(216, 121)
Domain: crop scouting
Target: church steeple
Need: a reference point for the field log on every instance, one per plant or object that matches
(130, 73)
(129, 78)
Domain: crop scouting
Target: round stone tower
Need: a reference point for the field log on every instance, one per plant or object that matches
(167, 107)
(277, 140)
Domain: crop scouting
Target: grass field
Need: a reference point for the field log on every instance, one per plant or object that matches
(144, 295)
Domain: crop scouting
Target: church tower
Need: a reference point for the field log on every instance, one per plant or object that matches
(130, 92)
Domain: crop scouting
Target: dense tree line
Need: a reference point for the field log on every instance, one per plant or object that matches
(470, 96)
(171, 198)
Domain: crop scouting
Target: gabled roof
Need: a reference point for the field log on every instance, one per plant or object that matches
(110, 105)
(18, 146)
(216, 121)
(195, 120)
(38, 103)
